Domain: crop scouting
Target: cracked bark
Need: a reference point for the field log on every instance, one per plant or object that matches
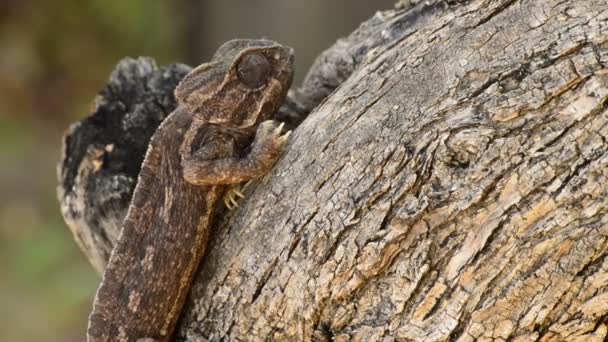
(454, 187)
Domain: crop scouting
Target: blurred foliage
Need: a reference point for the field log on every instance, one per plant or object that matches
(55, 55)
(48, 47)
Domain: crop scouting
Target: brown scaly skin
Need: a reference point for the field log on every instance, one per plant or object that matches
(201, 148)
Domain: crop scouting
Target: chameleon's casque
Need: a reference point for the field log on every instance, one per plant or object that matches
(243, 85)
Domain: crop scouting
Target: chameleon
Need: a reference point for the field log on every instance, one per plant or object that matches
(220, 134)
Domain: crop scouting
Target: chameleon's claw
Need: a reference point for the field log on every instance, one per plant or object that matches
(227, 203)
(283, 138)
(276, 132)
(238, 193)
(245, 186)
(234, 203)
(230, 198)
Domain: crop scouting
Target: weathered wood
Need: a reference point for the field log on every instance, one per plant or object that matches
(102, 154)
(454, 187)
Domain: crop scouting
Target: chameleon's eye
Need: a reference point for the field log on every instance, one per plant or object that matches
(253, 70)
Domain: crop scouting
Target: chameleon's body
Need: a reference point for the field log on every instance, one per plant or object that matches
(196, 152)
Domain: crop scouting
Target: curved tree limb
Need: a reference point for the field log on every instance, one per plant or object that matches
(454, 187)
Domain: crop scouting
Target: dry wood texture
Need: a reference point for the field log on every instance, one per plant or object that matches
(454, 187)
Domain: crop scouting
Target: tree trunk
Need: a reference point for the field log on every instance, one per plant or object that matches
(454, 187)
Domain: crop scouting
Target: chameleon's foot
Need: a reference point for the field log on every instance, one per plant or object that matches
(230, 196)
(269, 141)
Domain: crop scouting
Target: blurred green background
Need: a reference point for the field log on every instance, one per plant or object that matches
(54, 57)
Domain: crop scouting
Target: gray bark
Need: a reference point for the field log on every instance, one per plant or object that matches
(454, 187)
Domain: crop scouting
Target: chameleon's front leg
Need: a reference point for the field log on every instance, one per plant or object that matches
(266, 148)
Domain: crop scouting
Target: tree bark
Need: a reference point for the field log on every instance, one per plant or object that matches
(454, 187)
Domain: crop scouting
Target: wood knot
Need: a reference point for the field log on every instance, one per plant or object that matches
(465, 147)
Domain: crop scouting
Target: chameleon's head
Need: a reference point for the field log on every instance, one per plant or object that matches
(244, 84)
